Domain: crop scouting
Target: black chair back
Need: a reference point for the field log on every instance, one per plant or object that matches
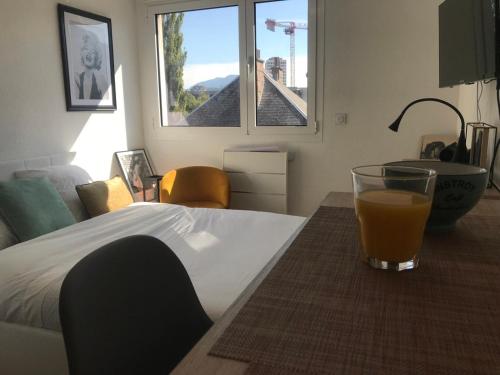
(129, 308)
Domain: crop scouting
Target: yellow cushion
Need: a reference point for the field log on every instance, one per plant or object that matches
(104, 196)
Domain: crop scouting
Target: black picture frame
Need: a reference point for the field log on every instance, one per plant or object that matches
(138, 174)
(433, 144)
(88, 62)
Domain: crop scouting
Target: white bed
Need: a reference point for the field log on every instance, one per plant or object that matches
(222, 250)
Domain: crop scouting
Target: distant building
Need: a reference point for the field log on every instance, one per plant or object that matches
(272, 64)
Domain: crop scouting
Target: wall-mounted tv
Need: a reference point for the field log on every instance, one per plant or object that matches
(469, 45)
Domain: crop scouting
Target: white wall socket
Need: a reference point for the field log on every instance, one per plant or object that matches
(341, 119)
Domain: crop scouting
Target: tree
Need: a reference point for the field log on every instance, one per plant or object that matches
(179, 100)
(191, 102)
(175, 57)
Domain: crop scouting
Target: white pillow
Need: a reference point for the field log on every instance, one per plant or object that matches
(64, 178)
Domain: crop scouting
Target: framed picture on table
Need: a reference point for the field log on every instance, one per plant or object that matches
(87, 54)
(433, 144)
(137, 171)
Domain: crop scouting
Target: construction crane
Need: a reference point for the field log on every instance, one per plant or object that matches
(290, 27)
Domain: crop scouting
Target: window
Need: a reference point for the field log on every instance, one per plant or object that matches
(199, 67)
(281, 63)
(237, 63)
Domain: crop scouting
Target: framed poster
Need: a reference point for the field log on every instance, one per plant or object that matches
(433, 144)
(87, 54)
(138, 174)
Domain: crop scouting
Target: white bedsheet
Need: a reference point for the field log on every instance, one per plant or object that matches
(222, 250)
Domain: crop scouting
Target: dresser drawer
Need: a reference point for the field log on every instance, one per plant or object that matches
(255, 162)
(258, 180)
(263, 183)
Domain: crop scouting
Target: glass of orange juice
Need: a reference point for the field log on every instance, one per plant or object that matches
(392, 207)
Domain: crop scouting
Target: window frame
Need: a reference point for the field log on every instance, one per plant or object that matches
(248, 126)
(252, 126)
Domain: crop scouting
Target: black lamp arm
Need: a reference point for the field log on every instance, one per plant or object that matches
(461, 152)
(429, 100)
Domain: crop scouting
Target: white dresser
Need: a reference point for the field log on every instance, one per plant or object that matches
(258, 180)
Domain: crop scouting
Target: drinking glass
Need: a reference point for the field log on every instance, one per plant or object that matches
(392, 206)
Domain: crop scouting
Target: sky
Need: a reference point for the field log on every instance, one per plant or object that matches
(212, 42)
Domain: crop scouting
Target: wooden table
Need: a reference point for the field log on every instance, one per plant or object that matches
(199, 362)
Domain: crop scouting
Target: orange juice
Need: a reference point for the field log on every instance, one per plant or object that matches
(392, 223)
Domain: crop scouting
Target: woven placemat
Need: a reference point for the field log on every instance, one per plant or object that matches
(321, 310)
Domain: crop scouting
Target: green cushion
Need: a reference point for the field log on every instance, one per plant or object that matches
(33, 207)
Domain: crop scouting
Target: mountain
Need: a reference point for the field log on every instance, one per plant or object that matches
(214, 84)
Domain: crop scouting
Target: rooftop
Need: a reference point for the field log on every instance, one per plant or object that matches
(277, 105)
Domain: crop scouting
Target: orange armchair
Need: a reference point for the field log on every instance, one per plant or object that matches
(196, 187)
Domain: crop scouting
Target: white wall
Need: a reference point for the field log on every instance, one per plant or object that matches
(379, 55)
(33, 117)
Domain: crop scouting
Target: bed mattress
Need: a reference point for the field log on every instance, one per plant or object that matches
(222, 251)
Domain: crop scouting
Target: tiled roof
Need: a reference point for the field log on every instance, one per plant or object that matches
(280, 106)
(222, 109)
(277, 106)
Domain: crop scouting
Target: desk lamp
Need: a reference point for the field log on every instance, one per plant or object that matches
(460, 153)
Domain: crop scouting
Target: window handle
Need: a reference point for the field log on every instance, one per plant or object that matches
(249, 64)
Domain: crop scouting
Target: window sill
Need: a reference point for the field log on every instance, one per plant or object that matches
(233, 135)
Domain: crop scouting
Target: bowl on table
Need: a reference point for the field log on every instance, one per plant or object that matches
(458, 189)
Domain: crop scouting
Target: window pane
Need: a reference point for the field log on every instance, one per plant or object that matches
(198, 54)
(281, 63)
